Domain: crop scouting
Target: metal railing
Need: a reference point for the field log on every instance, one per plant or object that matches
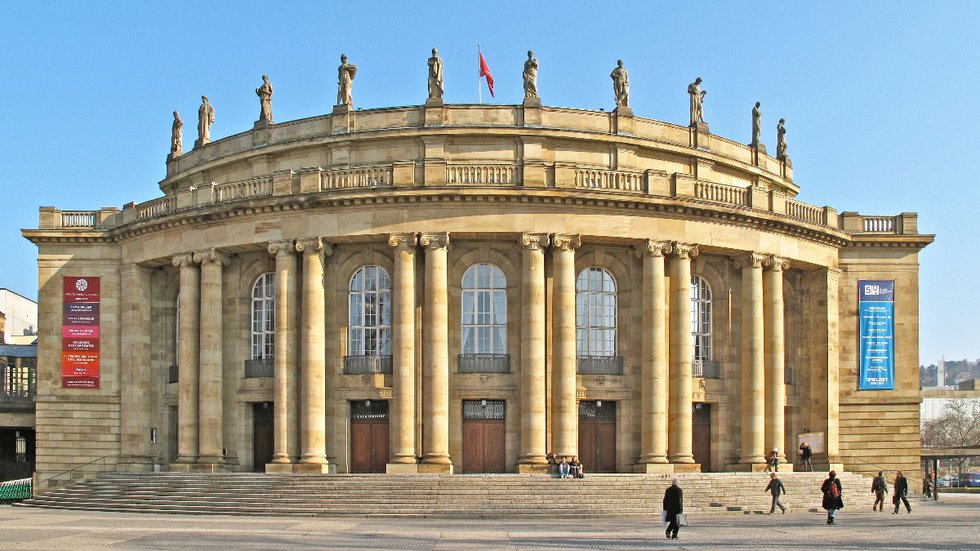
(366, 365)
(259, 367)
(706, 369)
(173, 374)
(75, 470)
(484, 363)
(600, 365)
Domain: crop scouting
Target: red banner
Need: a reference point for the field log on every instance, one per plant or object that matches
(80, 321)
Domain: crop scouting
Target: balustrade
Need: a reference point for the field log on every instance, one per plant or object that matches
(245, 189)
(804, 212)
(615, 180)
(481, 174)
(156, 207)
(879, 224)
(78, 218)
(721, 193)
(359, 177)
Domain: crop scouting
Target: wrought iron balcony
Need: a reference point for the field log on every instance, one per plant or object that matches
(484, 363)
(706, 369)
(600, 365)
(259, 367)
(366, 365)
(173, 374)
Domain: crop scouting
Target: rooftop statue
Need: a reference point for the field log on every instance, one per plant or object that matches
(781, 140)
(435, 75)
(756, 125)
(265, 100)
(530, 76)
(345, 81)
(205, 118)
(176, 137)
(697, 101)
(621, 84)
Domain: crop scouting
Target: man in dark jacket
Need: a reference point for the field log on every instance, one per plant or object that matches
(832, 492)
(673, 506)
(775, 488)
(901, 492)
(806, 454)
(879, 489)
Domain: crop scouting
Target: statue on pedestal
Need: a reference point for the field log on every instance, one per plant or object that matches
(345, 81)
(781, 140)
(621, 84)
(697, 101)
(176, 137)
(265, 100)
(530, 76)
(435, 75)
(756, 124)
(205, 118)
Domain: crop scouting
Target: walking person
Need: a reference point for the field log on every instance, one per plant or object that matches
(775, 488)
(673, 506)
(832, 491)
(901, 492)
(806, 454)
(879, 489)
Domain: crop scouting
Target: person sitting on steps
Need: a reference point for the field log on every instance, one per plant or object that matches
(576, 469)
(563, 468)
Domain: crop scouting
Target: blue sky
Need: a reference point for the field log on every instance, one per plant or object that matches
(882, 99)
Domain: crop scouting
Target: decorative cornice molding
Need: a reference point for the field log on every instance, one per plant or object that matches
(434, 240)
(211, 255)
(567, 242)
(534, 241)
(652, 247)
(750, 260)
(282, 248)
(403, 240)
(684, 250)
(183, 259)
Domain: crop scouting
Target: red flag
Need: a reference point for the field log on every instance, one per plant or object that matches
(485, 72)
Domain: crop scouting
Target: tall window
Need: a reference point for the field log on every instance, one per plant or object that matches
(264, 317)
(701, 318)
(595, 313)
(484, 304)
(370, 312)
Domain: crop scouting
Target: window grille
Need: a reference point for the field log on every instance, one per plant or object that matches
(483, 409)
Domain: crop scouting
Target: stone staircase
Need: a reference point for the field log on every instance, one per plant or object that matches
(461, 496)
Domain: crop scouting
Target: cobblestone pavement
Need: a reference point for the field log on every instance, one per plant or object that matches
(953, 523)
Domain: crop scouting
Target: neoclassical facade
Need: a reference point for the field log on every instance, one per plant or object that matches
(468, 288)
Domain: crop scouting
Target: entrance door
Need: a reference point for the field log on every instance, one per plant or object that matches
(597, 436)
(368, 436)
(263, 428)
(701, 426)
(483, 436)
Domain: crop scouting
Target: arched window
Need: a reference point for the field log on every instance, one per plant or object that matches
(484, 310)
(595, 313)
(264, 317)
(701, 319)
(370, 313)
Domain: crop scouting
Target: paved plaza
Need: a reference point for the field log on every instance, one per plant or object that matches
(953, 523)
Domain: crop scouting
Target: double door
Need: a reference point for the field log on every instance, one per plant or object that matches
(597, 435)
(369, 436)
(484, 436)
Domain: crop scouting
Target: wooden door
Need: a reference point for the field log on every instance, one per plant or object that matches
(263, 434)
(701, 428)
(597, 436)
(369, 436)
(484, 436)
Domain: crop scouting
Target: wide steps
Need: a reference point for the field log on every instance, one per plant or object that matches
(477, 496)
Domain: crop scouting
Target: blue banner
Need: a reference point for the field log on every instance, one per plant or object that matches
(876, 312)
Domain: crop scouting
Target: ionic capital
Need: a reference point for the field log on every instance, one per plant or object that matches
(652, 247)
(833, 275)
(281, 248)
(750, 260)
(775, 263)
(403, 240)
(434, 240)
(567, 242)
(211, 255)
(684, 250)
(534, 241)
(313, 245)
(183, 259)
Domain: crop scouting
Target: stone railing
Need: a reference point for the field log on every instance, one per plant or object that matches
(244, 189)
(484, 363)
(706, 369)
(600, 365)
(902, 224)
(366, 365)
(259, 367)
(878, 224)
(721, 193)
(616, 180)
(505, 175)
(78, 218)
(156, 207)
(357, 177)
(805, 212)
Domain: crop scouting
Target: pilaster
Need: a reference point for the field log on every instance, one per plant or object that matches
(188, 344)
(136, 453)
(211, 395)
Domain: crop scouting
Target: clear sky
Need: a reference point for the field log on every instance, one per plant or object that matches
(881, 99)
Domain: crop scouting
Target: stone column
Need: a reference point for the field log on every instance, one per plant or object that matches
(135, 446)
(653, 390)
(284, 383)
(211, 396)
(532, 382)
(313, 438)
(564, 433)
(187, 359)
(436, 354)
(753, 361)
(403, 353)
(681, 436)
(775, 357)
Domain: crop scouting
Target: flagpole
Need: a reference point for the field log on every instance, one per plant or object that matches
(479, 89)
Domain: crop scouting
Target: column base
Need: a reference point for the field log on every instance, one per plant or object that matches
(539, 469)
(435, 468)
(686, 467)
(197, 467)
(402, 468)
(278, 468)
(314, 468)
(747, 467)
(650, 468)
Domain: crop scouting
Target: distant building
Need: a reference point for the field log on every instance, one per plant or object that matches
(18, 389)
(18, 317)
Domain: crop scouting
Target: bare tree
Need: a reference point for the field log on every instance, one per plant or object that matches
(957, 427)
